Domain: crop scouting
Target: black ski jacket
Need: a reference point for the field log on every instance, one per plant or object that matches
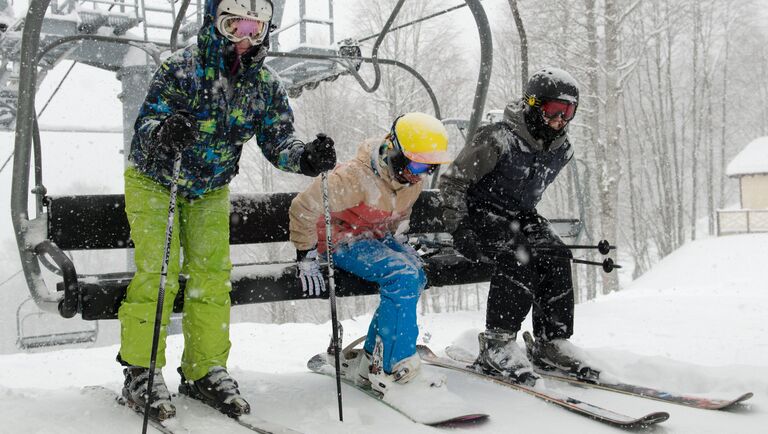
(503, 171)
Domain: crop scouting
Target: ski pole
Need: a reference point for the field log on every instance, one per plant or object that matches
(161, 290)
(332, 292)
(604, 247)
(607, 263)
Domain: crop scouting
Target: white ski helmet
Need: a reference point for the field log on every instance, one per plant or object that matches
(258, 14)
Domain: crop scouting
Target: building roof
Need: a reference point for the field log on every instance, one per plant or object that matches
(752, 160)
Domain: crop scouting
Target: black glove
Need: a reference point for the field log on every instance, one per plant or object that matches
(465, 241)
(318, 156)
(177, 132)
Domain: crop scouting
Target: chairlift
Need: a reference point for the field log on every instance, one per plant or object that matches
(38, 329)
(91, 222)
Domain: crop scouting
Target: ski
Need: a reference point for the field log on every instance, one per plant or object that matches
(172, 426)
(319, 364)
(648, 392)
(556, 398)
(161, 426)
(635, 390)
(249, 421)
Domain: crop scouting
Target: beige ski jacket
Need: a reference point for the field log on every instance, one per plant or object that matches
(365, 202)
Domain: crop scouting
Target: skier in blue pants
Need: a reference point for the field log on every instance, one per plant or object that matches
(370, 199)
(398, 271)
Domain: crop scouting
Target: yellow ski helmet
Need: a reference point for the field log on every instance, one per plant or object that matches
(421, 137)
(418, 143)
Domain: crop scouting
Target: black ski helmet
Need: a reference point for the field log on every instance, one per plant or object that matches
(547, 84)
(551, 83)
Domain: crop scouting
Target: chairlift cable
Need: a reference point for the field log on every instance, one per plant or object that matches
(55, 91)
(11, 277)
(416, 21)
(45, 106)
(6, 162)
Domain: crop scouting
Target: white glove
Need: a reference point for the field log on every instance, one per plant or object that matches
(312, 281)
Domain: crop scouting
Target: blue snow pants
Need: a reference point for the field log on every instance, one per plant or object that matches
(399, 272)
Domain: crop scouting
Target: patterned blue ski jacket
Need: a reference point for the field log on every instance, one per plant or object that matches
(230, 109)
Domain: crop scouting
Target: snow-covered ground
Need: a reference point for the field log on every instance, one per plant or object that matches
(695, 324)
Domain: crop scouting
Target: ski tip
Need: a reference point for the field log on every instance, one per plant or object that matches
(319, 364)
(737, 403)
(316, 362)
(467, 419)
(653, 418)
(460, 354)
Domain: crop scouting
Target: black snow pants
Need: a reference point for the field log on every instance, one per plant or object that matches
(544, 282)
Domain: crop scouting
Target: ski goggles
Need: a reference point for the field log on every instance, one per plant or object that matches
(550, 109)
(237, 28)
(417, 168)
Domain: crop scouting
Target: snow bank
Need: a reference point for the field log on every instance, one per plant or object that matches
(694, 324)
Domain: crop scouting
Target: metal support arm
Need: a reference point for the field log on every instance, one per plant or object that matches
(30, 43)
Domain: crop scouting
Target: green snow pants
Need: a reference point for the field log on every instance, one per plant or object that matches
(202, 225)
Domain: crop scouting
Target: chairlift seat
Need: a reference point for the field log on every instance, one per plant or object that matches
(99, 222)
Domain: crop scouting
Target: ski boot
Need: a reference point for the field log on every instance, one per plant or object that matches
(217, 389)
(559, 355)
(406, 374)
(501, 356)
(135, 392)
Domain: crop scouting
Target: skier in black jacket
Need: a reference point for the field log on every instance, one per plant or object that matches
(490, 193)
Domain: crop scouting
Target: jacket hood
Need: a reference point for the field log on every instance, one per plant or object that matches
(514, 115)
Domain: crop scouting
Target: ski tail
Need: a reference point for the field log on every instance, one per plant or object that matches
(103, 392)
(453, 413)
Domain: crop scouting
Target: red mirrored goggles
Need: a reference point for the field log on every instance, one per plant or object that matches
(552, 108)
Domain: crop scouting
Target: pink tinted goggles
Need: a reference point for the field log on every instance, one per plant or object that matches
(237, 28)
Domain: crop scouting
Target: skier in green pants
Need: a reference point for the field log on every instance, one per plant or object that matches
(206, 102)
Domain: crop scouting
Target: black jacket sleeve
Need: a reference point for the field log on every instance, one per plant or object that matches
(476, 160)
